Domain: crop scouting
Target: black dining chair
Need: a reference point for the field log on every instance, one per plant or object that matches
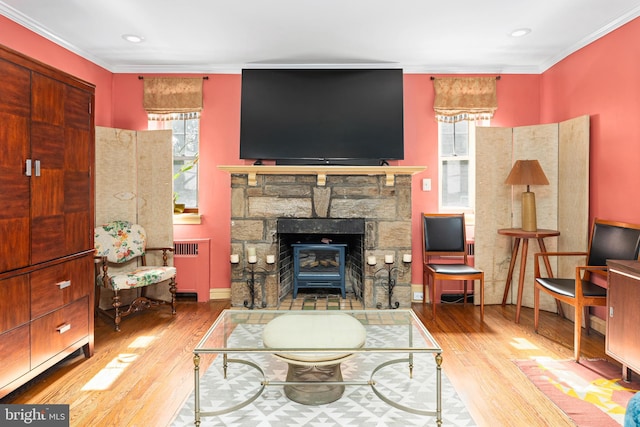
(608, 240)
(445, 255)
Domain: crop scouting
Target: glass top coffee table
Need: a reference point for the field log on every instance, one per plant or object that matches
(314, 344)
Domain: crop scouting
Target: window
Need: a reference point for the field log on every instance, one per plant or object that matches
(185, 129)
(456, 153)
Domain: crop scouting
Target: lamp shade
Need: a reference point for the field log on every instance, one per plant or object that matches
(526, 172)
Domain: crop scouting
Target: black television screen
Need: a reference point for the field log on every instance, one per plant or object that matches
(322, 116)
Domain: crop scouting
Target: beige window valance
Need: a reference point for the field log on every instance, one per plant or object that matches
(165, 95)
(464, 98)
(172, 116)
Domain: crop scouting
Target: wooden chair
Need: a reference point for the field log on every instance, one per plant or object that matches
(607, 240)
(121, 246)
(444, 238)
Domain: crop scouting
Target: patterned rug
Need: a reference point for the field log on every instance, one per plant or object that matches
(358, 406)
(591, 392)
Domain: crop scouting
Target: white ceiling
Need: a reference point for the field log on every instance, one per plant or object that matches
(210, 36)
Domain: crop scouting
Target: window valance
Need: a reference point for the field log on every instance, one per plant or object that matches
(464, 98)
(172, 116)
(164, 95)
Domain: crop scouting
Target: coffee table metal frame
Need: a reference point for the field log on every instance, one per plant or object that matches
(417, 340)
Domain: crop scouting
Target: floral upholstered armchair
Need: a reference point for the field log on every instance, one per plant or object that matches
(121, 245)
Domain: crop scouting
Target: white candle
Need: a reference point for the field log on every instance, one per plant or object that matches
(235, 258)
(371, 260)
(388, 259)
(271, 259)
(253, 259)
(251, 251)
(406, 258)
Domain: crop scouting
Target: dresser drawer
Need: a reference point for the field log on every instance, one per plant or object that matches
(14, 302)
(56, 331)
(14, 348)
(60, 284)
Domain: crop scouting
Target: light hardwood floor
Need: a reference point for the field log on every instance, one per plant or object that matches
(142, 375)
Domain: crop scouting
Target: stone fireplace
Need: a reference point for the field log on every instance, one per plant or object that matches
(367, 209)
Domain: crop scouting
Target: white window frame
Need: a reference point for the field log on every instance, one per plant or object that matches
(470, 157)
(167, 124)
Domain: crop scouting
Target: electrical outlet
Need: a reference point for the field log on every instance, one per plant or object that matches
(417, 296)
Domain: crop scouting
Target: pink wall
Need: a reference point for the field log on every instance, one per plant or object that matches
(220, 139)
(599, 80)
(219, 145)
(603, 81)
(518, 105)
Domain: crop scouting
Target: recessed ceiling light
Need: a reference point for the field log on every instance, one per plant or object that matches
(132, 38)
(520, 32)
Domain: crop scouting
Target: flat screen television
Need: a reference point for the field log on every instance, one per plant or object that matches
(322, 116)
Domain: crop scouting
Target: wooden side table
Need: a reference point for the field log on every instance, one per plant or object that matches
(524, 236)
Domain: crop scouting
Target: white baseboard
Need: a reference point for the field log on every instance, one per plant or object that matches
(218, 293)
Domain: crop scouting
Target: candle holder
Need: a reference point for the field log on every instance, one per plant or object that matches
(254, 273)
(388, 282)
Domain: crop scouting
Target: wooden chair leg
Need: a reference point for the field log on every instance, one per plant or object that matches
(587, 319)
(172, 289)
(433, 296)
(116, 305)
(464, 302)
(96, 302)
(481, 298)
(577, 331)
(424, 285)
(536, 307)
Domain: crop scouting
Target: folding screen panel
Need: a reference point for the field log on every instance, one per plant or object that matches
(493, 208)
(116, 175)
(155, 187)
(563, 152)
(134, 172)
(573, 190)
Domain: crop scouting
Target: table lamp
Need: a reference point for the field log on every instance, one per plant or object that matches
(527, 172)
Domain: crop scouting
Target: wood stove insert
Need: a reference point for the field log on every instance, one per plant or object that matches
(319, 266)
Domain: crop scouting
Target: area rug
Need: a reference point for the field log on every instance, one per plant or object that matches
(591, 392)
(357, 407)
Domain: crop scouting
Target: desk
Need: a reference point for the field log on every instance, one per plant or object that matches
(521, 235)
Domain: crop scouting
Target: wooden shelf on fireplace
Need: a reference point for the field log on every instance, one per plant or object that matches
(322, 171)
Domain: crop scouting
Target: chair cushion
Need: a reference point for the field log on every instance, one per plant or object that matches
(567, 287)
(142, 276)
(453, 269)
(120, 241)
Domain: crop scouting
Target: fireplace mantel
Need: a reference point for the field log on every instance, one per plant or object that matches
(322, 171)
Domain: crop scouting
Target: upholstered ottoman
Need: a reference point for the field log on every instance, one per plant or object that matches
(309, 331)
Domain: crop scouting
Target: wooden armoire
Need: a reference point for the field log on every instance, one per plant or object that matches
(46, 217)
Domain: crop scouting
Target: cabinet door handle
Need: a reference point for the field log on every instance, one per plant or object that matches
(27, 170)
(63, 328)
(37, 162)
(64, 284)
